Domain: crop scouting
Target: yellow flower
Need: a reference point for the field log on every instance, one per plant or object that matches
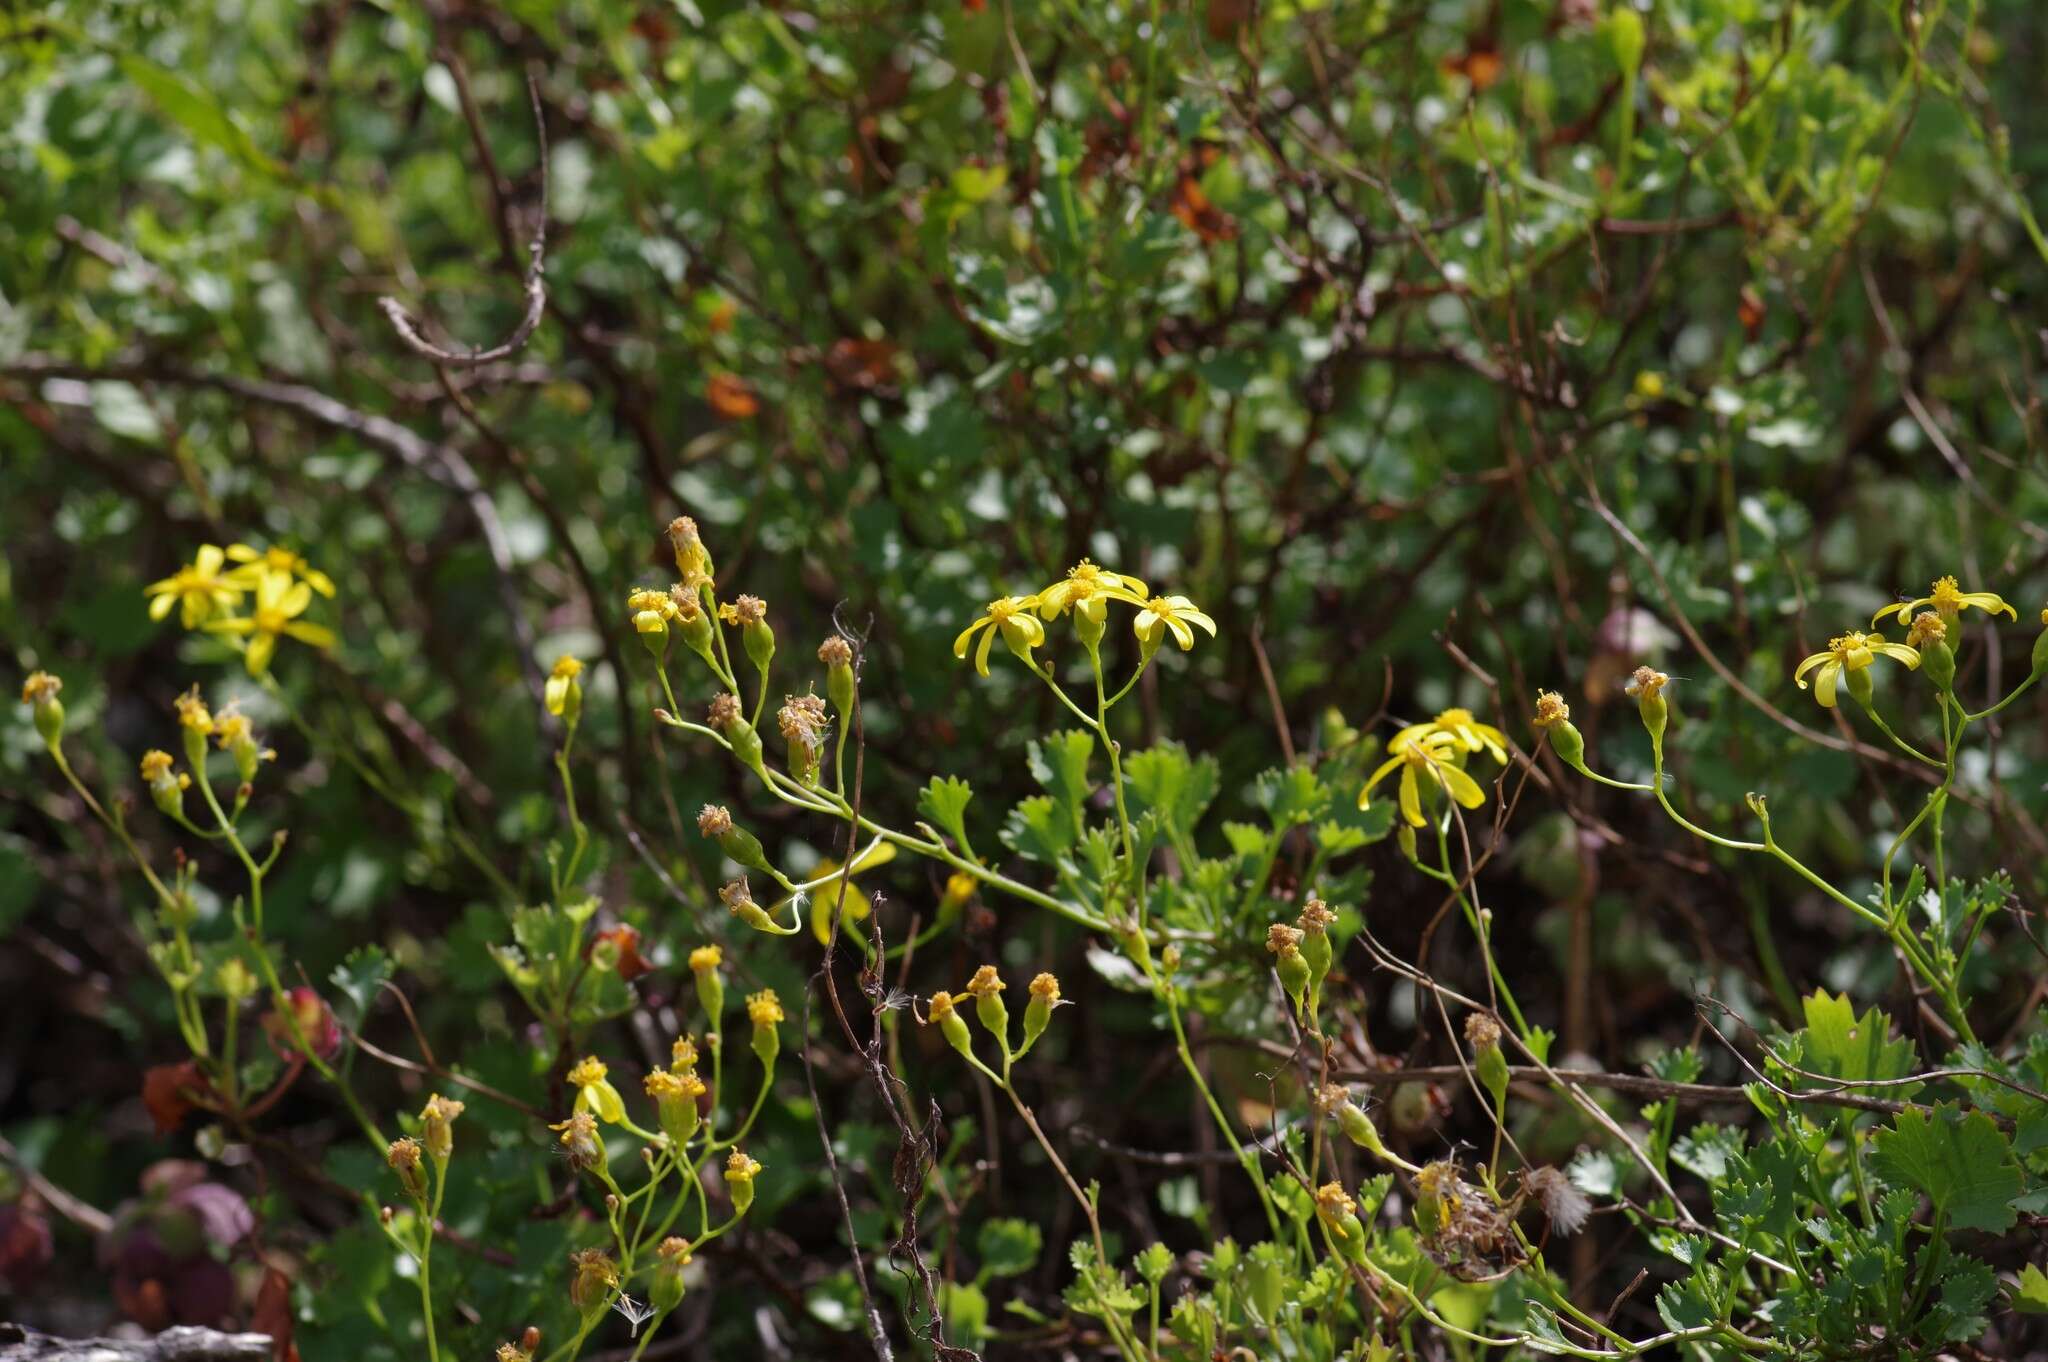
(192, 713)
(201, 589)
(1949, 600)
(1011, 617)
(1175, 613)
(764, 1008)
(561, 682)
(257, 563)
(1087, 584)
(1849, 654)
(739, 1167)
(279, 603)
(1468, 732)
(1430, 754)
(594, 1091)
(704, 958)
(1551, 710)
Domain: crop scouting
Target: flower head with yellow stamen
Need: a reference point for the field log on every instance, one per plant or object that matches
(1432, 755)
(279, 603)
(704, 958)
(1949, 600)
(594, 1090)
(200, 589)
(764, 1008)
(1459, 724)
(1849, 657)
(1088, 588)
(257, 562)
(1170, 614)
(1009, 616)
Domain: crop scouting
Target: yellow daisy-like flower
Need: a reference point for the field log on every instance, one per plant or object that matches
(561, 680)
(764, 1008)
(1949, 600)
(1170, 613)
(594, 1091)
(1846, 656)
(1431, 754)
(1086, 585)
(279, 603)
(1009, 616)
(1469, 733)
(200, 589)
(256, 563)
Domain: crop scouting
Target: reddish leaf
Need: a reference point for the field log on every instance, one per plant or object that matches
(1750, 311)
(273, 1315)
(166, 1092)
(860, 364)
(1200, 216)
(730, 396)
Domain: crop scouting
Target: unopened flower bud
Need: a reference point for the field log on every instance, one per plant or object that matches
(563, 693)
(704, 964)
(437, 1126)
(1646, 687)
(951, 1024)
(986, 987)
(593, 1276)
(740, 1172)
(39, 693)
(764, 1010)
(665, 1292)
(837, 655)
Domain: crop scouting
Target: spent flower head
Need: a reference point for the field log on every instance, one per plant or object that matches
(986, 983)
(1551, 710)
(714, 820)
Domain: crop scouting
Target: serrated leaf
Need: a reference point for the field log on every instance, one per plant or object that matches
(1008, 1246)
(1855, 1049)
(1037, 830)
(2030, 1293)
(1163, 777)
(1705, 1150)
(943, 802)
(1957, 1315)
(1291, 797)
(1961, 1161)
(1247, 839)
(1153, 1262)
(1060, 765)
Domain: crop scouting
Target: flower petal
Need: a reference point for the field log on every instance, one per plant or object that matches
(1808, 665)
(319, 636)
(967, 636)
(1463, 788)
(1902, 652)
(260, 649)
(160, 604)
(1411, 799)
(981, 653)
(1824, 683)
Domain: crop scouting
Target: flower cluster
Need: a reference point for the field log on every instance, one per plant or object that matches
(208, 594)
(1085, 593)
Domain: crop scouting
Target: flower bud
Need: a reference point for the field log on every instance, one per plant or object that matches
(837, 655)
(739, 1180)
(563, 693)
(236, 980)
(704, 963)
(39, 693)
(404, 1158)
(592, 1278)
(738, 897)
(951, 1024)
(675, 1097)
(166, 788)
(1285, 944)
(1045, 996)
(1314, 926)
(2040, 656)
(1646, 686)
(665, 1292)
(764, 1010)
(437, 1126)
(987, 989)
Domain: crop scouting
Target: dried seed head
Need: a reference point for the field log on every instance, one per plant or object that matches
(1481, 1031)
(1645, 683)
(714, 820)
(1551, 710)
(1563, 1203)
(985, 983)
(736, 894)
(1928, 628)
(749, 610)
(1316, 916)
(835, 652)
(724, 711)
(1282, 939)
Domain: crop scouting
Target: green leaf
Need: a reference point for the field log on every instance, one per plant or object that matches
(1854, 1049)
(1153, 1263)
(1060, 765)
(2030, 1293)
(943, 803)
(1962, 1162)
(1291, 797)
(194, 110)
(357, 979)
(966, 1312)
(1035, 829)
(1165, 779)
